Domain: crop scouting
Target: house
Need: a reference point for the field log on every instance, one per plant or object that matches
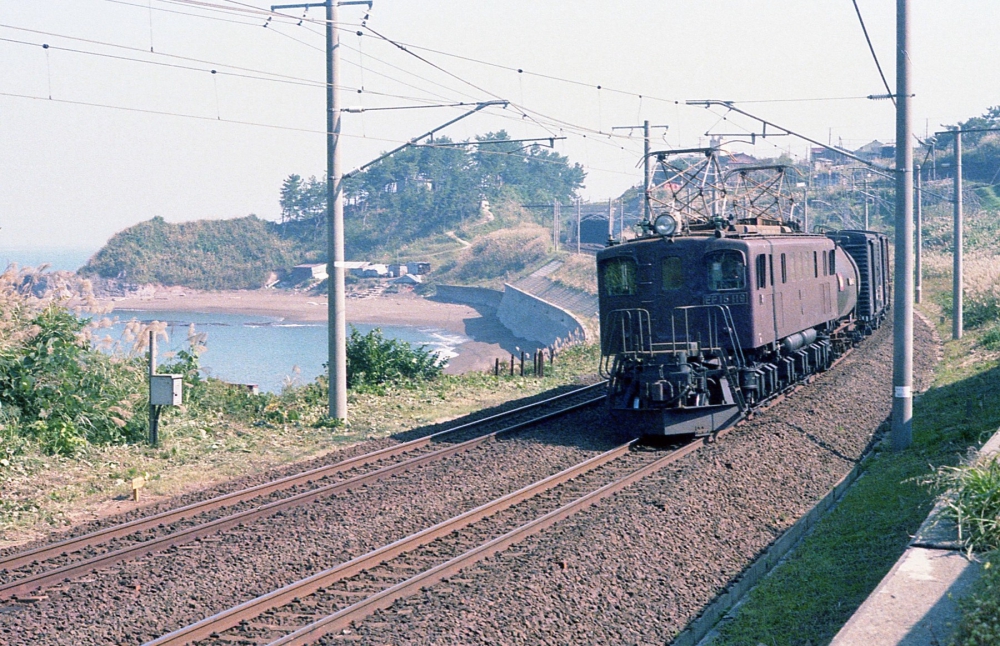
(408, 279)
(876, 150)
(354, 267)
(398, 270)
(418, 268)
(309, 271)
(375, 271)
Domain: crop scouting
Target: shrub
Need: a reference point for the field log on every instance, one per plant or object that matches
(991, 338)
(374, 361)
(64, 393)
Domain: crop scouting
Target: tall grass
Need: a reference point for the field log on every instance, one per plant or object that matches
(974, 502)
(981, 285)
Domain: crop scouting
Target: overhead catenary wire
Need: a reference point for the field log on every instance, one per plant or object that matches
(871, 48)
(256, 124)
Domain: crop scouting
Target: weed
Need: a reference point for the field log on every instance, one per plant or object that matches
(973, 494)
(979, 625)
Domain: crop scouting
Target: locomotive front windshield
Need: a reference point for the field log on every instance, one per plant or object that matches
(673, 273)
(619, 276)
(726, 270)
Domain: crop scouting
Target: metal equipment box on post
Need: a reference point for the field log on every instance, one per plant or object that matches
(166, 390)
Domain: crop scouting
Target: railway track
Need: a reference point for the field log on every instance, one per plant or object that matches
(24, 572)
(329, 602)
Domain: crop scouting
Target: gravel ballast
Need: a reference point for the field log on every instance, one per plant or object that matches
(637, 568)
(634, 569)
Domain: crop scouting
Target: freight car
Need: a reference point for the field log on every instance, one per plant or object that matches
(701, 320)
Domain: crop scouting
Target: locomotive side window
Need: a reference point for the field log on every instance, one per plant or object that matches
(761, 271)
(726, 270)
(833, 261)
(619, 277)
(815, 265)
(784, 269)
(826, 272)
(673, 273)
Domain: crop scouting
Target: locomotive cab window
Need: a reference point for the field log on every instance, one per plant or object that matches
(726, 270)
(619, 276)
(673, 273)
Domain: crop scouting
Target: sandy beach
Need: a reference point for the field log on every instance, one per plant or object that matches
(490, 339)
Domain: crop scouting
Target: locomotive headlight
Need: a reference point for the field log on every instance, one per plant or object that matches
(665, 224)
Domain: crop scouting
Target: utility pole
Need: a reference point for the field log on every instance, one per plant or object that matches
(918, 216)
(555, 224)
(337, 321)
(611, 223)
(902, 352)
(956, 322)
(578, 226)
(805, 210)
(956, 289)
(647, 175)
(865, 193)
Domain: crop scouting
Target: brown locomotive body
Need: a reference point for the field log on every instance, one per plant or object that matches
(698, 328)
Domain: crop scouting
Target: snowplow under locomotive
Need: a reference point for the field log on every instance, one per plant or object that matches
(701, 320)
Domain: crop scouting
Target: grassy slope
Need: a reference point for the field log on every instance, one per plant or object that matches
(809, 597)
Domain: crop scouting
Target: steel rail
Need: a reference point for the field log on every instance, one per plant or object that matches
(234, 616)
(382, 600)
(56, 575)
(77, 543)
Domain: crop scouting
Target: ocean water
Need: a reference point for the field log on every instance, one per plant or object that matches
(266, 351)
(57, 259)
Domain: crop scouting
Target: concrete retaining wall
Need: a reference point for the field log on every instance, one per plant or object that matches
(535, 319)
(469, 295)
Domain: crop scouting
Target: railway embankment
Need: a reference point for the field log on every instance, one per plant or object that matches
(917, 602)
(525, 314)
(863, 549)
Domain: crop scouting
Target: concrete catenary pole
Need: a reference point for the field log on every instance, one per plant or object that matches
(611, 222)
(578, 209)
(865, 194)
(556, 212)
(956, 291)
(647, 212)
(337, 339)
(918, 217)
(902, 355)
(805, 211)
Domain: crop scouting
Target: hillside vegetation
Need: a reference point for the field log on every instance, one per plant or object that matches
(206, 254)
(419, 204)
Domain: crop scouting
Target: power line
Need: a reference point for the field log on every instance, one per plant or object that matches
(257, 124)
(160, 64)
(165, 55)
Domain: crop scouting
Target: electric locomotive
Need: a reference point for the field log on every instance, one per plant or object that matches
(704, 316)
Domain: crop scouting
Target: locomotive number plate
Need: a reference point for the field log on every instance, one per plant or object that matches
(736, 298)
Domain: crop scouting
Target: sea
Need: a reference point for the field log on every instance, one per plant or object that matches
(268, 351)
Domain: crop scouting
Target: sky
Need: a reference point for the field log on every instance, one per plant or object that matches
(121, 118)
